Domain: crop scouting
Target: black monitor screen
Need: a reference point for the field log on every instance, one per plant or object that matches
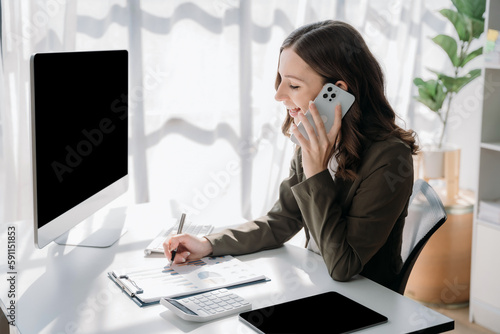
(80, 115)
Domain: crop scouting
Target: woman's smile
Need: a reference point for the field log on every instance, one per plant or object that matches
(293, 112)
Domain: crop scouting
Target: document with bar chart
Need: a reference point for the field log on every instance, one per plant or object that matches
(149, 284)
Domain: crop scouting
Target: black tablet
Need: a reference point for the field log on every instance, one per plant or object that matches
(328, 312)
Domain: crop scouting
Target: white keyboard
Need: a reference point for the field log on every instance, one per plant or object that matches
(207, 306)
(156, 246)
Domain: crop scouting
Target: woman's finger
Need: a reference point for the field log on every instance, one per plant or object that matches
(181, 257)
(313, 138)
(318, 121)
(300, 138)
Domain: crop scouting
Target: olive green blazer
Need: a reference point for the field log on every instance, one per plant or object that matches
(357, 225)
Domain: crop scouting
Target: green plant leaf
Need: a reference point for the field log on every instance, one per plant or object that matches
(471, 56)
(466, 26)
(472, 8)
(431, 93)
(468, 22)
(449, 45)
(477, 27)
(462, 23)
(427, 89)
(454, 85)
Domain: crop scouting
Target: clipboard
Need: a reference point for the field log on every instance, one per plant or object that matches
(130, 293)
(147, 285)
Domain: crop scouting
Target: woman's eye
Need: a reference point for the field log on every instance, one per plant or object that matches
(294, 87)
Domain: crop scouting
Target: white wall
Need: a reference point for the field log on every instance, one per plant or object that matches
(464, 131)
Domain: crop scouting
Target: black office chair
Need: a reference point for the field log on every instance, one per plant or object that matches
(426, 214)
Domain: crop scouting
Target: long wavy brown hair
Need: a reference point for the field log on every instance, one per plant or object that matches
(336, 51)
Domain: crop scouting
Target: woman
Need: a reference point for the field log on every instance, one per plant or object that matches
(349, 187)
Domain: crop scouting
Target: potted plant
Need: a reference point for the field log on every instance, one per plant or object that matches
(438, 93)
(441, 274)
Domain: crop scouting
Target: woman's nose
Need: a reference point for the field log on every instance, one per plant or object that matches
(279, 96)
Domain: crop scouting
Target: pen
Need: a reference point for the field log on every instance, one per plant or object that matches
(179, 231)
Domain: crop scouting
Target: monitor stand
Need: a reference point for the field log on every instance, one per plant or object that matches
(100, 230)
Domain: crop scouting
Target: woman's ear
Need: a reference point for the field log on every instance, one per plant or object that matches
(342, 85)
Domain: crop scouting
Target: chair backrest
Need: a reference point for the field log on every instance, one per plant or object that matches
(426, 214)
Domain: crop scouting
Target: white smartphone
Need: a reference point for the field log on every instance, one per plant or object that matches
(325, 102)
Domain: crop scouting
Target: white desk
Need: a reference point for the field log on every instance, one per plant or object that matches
(62, 289)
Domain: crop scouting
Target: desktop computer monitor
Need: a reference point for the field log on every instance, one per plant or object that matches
(79, 137)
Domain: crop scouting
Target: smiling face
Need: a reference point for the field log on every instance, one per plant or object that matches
(299, 83)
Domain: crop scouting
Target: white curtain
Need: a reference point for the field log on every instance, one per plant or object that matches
(204, 127)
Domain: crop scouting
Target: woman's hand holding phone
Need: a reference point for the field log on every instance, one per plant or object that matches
(317, 150)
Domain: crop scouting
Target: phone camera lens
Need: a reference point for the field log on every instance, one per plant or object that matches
(325, 96)
(333, 95)
(329, 89)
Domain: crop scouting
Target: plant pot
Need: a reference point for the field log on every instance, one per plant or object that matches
(434, 157)
(442, 163)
